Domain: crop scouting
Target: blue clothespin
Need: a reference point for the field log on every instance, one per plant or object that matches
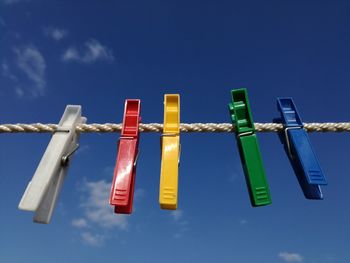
(299, 149)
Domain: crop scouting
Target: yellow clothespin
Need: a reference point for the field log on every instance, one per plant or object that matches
(170, 143)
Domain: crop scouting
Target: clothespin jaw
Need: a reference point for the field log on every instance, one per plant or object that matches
(42, 192)
(300, 151)
(122, 190)
(247, 141)
(170, 144)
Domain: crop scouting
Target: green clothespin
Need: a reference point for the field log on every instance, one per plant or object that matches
(249, 148)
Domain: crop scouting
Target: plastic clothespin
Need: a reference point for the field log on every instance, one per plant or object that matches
(299, 149)
(122, 191)
(170, 145)
(249, 148)
(42, 192)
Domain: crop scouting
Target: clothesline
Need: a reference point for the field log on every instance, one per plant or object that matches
(41, 193)
(184, 127)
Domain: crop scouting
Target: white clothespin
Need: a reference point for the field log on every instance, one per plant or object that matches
(42, 192)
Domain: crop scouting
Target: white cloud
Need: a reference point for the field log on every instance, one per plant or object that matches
(4, 68)
(181, 223)
(232, 178)
(98, 215)
(139, 194)
(92, 239)
(6, 72)
(55, 33)
(32, 63)
(243, 222)
(19, 92)
(92, 52)
(71, 54)
(178, 235)
(97, 209)
(79, 223)
(177, 215)
(291, 257)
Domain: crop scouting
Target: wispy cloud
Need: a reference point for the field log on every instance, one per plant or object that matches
(97, 209)
(32, 63)
(243, 222)
(19, 92)
(95, 240)
(2, 21)
(6, 72)
(232, 178)
(93, 51)
(79, 223)
(55, 33)
(291, 257)
(139, 194)
(98, 217)
(177, 215)
(181, 222)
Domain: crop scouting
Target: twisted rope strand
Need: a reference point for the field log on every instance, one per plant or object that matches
(184, 127)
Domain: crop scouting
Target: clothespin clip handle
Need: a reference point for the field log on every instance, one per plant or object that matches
(170, 159)
(122, 190)
(42, 192)
(249, 149)
(300, 150)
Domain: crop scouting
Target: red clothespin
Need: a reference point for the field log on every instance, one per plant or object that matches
(122, 191)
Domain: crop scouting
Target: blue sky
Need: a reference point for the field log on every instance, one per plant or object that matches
(99, 53)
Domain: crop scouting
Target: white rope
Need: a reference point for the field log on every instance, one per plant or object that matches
(184, 127)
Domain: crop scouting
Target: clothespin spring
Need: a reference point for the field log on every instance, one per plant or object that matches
(66, 158)
(245, 134)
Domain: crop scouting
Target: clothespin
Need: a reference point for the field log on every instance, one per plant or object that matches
(122, 191)
(299, 149)
(170, 145)
(249, 148)
(42, 192)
